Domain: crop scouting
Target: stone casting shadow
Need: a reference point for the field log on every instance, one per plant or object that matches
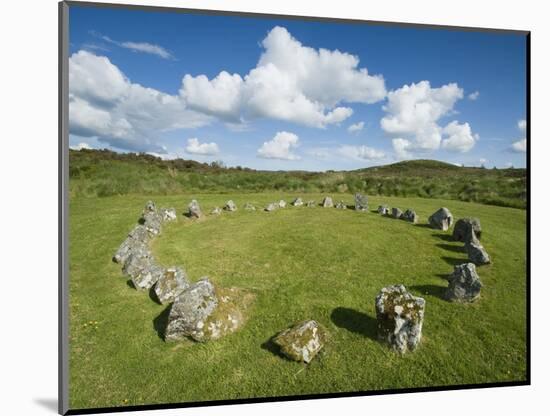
(355, 321)
(454, 261)
(161, 321)
(432, 290)
(424, 226)
(443, 275)
(450, 247)
(153, 296)
(273, 348)
(444, 237)
(130, 284)
(48, 404)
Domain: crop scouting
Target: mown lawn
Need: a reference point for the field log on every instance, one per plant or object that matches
(301, 263)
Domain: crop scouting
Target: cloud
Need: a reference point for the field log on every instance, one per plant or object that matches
(290, 82)
(356, 127)
(280, 147)
(80, 146)
(520, 146)
(196, 148)
(143, 47)
(473, 96)
(483, 161)
(105, 104)
(459, 137)
(402, 148)
(522, 125)
(361, 152)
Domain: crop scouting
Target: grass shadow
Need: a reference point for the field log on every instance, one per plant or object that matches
(355, 321)
(450, 247)
(444, 237)
(130, 284)
(153, 296)
(443, 275)
(453, 261)
(273, 348)
(424, 226)
(161, 321)
(432, 290)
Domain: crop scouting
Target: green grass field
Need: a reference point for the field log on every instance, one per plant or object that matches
(301, 263)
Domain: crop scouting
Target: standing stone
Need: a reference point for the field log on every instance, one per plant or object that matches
(301, 342)
(135, 242)
(310, 204)
(400, 316)
(297, 202)
(410, 215)
(216, 211)
(383, 210)
(327, 202)
(168, 214)
(282, 203)
(476, 252)
(170, 284)
(249, 207)
(152, 222)
(194, 209)
(271, 207)
(442, 219)
(143, 270)
(341, 205)
(230, 206)
(361, 202)
(464, 284)
(190, 310)
(149, 207)
(462, 228)
(396, 213)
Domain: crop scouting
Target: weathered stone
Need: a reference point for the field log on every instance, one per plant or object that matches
(400, 316)
(476, 252)
(190, 310)
(143, 270)
(135, 242)
(396, 213)
(168, 214)
(249, 207)
(310, 204)
(383, 210)
(170, 284)
(442, 219)
(361, 202)
(216, 211)
(410, 215)
(298, 202)
(327, 202)
(271, 207)
(152, 223)
(301, 342)
(282, 203)
(149, 207)
(230, 206)
(194, 209)
(464, 284)
(462, 228)
(341, 205)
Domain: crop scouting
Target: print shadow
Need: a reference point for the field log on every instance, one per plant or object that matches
(355, 321)
(48, 404)
(450, 247)
(161, 321)
(432, 290)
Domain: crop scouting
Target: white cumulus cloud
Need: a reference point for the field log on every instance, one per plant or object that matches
(280, 147)
(473, 96)
(144, 47)
(520, 146)
(197, 148)
(459, 137)
(522, 125)
(402, 148)
(80, 146)
(356, 127)
(361, 152)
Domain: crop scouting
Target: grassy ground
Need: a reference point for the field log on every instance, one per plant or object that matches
(301, 263)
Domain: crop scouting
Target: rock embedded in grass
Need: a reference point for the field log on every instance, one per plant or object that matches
(271, 207)
(396, 213)
(476, 252)
(143, 271)
(464, 284)
(149, 207)
(249, 207)
(282, 203)
(410, 215)
(383, 210)
(442, 219)
(135, 242)
(297, 202)
(310, 204)
(216, 211)
(302, 341)
(400, 316)
(361, 202)
(168, 214)
(230, 206)
(341, 205)
(152, 223)
(170, 284)
(194, 209)
(327, 202)
(462, 226)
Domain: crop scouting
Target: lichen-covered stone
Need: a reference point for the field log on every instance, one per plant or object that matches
(170, 284)
(396, 213)
(361, 202)
(216, 211)
(271, 207)
(168, 214)
(310, 204)
(194, 209)
(464, 284)
(297, 202)
(282, 203)
(476, 252)
(461, 229)
(152, 222)
(327, 202)
(230, 206)
(143, 270)
(442, 219)
(150, 207)
(341, 205)
(301, 342)
(383, 210)
(191, 308)
(400, 316)
(249, 207)
(135, 242)
(410, 215)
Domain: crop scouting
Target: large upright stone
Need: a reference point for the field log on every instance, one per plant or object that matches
(396, 213)
(249, 207)
(361, 202)
(462, 227)
(152, 222)
(143, 270)
(271, 207)
(442, 219)
(282, 203)
(168, 214)
(410, 215)
(400, 316)
(170, 284)
(230, 206)
(383, 210)
(327, 202)
(297, 202)
(301, 342)
(194, 209)
(135, 242)
(464, 284)
(476, 252)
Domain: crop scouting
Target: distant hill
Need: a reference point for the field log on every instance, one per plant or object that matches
(104, 173)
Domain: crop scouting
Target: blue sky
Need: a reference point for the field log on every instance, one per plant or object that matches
(288, 94)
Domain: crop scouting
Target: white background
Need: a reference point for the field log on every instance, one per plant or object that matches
(28, 331)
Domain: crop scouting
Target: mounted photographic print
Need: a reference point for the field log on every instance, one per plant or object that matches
(266, 208)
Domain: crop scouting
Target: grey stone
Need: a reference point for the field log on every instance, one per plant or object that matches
(190, 311)
(298, 202)
(301, 342)
(341, 205)
(194, 209)
(383, 210)
(361, 202)
(136, 242)
(271, 207)
(396, 213)
(461, 229)
(230, 206)
(168, 214)
(464, 284)
(476, 252)
(442, 219)
(410, 215)
(143, 270)
(152, 223)
(249, 207)
(400, 316)
(310, 204)
(170, 284)
(149, 207)
(216, 211)
(327, 202)
(282, 203)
